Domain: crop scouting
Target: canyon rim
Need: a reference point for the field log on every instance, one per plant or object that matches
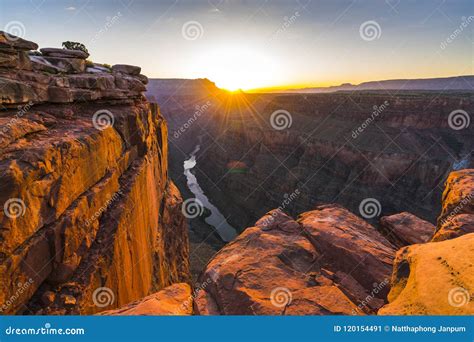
(300, 171)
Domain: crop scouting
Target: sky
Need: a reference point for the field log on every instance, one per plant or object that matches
(261, 43)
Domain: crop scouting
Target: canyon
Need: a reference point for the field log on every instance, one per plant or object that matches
(354, 203)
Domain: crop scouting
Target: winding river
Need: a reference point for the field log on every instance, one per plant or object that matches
(215, 219)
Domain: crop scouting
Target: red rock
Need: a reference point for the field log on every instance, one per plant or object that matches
(457, 226)
(55, 52)
(349, 244)
(457, 214)
(172, 300)
(126, 69)
(458, 195)
(283, 266)
(406, 229)
(71, 65)
(7, 40)
(435, 278)
(76, 185)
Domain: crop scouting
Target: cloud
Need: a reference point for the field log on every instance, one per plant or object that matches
(72, 8)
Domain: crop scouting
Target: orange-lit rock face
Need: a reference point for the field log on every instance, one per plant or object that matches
(435, 278)
(457, 215)
(406, 229)
(328, 262)
(174, 300)
(86, 200)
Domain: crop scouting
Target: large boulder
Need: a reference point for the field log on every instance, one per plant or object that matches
(70, 65)
(173, 300)
(406, 229)
(64, 53)
(10, 41)
(127, 69)
(435, 278)
(15, 92)
(328, 262)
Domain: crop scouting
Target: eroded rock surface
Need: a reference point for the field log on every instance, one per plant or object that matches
(437, 278)
(173, 300)
(329, 261)
(87, 203)
(457, 214)
(406, 229)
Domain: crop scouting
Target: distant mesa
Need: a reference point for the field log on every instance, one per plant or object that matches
(457, 83)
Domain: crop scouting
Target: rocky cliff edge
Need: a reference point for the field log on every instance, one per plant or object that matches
(90, 220)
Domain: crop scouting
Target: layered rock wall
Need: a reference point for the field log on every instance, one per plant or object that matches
(88, 211)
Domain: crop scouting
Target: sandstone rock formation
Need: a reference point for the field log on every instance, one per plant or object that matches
(87, 203)
(457, 214)
(329, 261)
(406, 229)
(438, 277)
(435, 278)
(173, 300)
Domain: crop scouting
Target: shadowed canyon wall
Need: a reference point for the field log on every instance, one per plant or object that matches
(295, 151)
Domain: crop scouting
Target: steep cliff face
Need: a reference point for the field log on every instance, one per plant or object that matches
(90, 220)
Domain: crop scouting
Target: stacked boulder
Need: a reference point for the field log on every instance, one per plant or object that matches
(61, 75)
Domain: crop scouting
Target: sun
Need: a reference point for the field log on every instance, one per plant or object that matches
(235, 68)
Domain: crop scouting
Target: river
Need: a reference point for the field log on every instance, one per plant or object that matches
(215, 219)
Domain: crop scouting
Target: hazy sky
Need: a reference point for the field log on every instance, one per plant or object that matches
(249, 44)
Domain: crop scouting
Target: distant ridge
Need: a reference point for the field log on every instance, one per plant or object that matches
(460, 83)
(163, 87)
